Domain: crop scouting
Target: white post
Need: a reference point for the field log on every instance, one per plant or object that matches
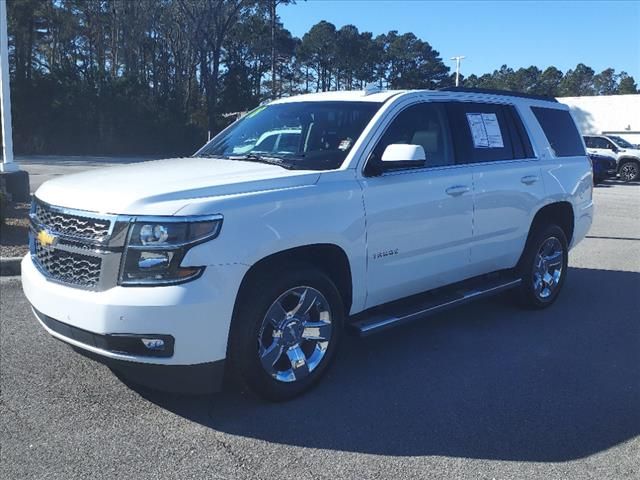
(7, 164)
(457, 59)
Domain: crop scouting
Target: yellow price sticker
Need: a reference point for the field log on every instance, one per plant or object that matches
(255, 111)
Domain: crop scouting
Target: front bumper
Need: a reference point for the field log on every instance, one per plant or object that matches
(196, 315)
(202, 378)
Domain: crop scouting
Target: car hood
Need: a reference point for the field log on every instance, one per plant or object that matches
(163, 187)
(633, 152)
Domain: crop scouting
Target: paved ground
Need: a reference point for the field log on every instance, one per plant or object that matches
(44, 167)
(485, 391)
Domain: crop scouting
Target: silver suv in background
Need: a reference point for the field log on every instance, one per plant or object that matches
(627, 156)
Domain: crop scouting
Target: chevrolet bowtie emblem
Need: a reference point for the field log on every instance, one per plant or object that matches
(46, 239)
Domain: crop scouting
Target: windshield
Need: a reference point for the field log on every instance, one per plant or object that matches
(304, 135)
(621, 142)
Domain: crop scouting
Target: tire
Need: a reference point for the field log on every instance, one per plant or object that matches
(629, 171)
(543, 267)
(285, 331)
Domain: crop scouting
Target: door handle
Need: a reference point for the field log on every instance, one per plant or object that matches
(457, 190)
(529, 179)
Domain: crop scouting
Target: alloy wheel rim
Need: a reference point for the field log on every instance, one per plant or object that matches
(295, 334)
(629, 171)
(547, 271)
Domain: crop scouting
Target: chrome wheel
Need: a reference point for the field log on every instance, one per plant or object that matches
(629, 171)
(294, 334)
(547, 270)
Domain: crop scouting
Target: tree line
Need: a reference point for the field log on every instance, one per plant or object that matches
(158, 76)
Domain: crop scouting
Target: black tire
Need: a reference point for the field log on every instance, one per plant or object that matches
(629, 171)
(528, 268)
(257, 297)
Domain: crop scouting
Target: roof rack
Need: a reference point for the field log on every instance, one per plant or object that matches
(498, 92)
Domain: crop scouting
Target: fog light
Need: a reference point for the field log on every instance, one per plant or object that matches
(150, 260)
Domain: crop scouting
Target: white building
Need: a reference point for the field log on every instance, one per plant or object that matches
(607, 114)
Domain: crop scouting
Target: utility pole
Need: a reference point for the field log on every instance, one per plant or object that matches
(15, 181)
(5, 99)
(273, 5)
(457, 59)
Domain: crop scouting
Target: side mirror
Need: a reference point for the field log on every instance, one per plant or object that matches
(401, 155)
(615, 149)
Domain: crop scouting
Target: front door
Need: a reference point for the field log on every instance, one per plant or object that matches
(600, 146)
(419, 221)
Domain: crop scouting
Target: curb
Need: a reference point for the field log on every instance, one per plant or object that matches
(10, 266)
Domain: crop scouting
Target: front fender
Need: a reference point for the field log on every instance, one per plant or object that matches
(260, 224)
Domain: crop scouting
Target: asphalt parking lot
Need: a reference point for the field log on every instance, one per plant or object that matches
(487, 391)
(45, 167)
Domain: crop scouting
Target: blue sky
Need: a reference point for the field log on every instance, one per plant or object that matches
(600, 34)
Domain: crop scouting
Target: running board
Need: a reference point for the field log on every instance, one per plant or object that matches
(397, 313)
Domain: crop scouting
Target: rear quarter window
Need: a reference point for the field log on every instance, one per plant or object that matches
(560, 130)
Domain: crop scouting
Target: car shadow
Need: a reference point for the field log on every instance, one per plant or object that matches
(610, 182)
(487, 380)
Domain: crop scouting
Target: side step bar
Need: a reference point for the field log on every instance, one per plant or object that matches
(420, 306)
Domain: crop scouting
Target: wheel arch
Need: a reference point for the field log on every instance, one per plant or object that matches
(559, 213)
(327, 257)
(627, 159)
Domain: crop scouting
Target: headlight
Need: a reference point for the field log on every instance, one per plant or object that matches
(156, 246)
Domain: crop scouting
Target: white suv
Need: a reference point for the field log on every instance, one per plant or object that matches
(627, 156)
(393, 205)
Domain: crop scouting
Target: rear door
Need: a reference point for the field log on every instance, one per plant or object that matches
(507, 180)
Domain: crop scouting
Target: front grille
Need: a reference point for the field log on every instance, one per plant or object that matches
(72, 224)
(68, 267)
(74, 247)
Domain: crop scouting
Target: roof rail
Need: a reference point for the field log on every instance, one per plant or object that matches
(498, 92)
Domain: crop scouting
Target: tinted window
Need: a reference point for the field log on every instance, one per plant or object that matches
(560, 130)
(266, 144)
(424, 124)
(590, 142)
(519, 137)
(608, 144)
(598, 142)
(289, 142)
(483, 132)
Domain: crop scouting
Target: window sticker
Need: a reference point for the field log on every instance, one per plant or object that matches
(485, 130)
(255, 111)
(478, 133)
(492, 127)
(345, 144)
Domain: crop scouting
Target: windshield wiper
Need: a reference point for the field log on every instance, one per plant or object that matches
(211, 155)
(270, 160)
